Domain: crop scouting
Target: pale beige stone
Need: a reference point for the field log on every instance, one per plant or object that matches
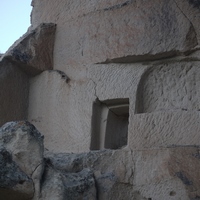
(162, 129)
(155, 45)
(170, 86)
(116, 31)
(62, 110)
(65, 108)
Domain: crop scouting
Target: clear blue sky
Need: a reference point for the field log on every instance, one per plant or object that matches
(14, 21)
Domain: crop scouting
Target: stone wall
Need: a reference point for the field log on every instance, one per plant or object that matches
(143, 51)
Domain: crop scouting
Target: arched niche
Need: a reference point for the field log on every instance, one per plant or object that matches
(169, 87)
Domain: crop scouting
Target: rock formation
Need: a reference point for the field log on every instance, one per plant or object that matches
(146, 52)
(21, 160)
(29, 173)
(28, 56)
(114, 88)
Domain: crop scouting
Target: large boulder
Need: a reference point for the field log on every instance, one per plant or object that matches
(59, 185)
(14, 183)
(24, 146)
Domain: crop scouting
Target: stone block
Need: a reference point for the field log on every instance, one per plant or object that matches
(33, 52)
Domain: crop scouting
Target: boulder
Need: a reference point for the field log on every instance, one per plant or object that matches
(162, 173)
(59, 185)
(25, 145)
(25, 173)
(104, 168)
(14, 183)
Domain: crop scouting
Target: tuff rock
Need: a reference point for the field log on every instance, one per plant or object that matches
(143, 51)
(14, 182)
(28, 56)
(27, 173)
(22, 153)
(33, 52)
(124, 31)
(115, 91)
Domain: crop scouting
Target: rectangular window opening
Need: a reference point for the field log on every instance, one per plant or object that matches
(110, 124)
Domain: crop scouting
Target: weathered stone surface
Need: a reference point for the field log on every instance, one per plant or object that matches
(65, 108)
(114, 31)
(33, 52)
(168, 87)
(168, 173)
(14, 183)
(73, 186)
(191, 9)
(107, 168)
(25, 144)
(162, 129)
(163, 86)
(30, 55)
(123, 31)
(163, 173)
(14, 92)
(159, 41)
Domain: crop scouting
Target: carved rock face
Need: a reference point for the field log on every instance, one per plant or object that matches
(119, 31)
(143, 51)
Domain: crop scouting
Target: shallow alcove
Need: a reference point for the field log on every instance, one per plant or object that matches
(169, 87)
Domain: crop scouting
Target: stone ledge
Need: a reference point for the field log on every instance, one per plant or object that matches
(33, 52)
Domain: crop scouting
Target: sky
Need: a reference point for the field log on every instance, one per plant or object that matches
(14, 21)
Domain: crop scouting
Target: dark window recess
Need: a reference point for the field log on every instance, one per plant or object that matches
(110, 124)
